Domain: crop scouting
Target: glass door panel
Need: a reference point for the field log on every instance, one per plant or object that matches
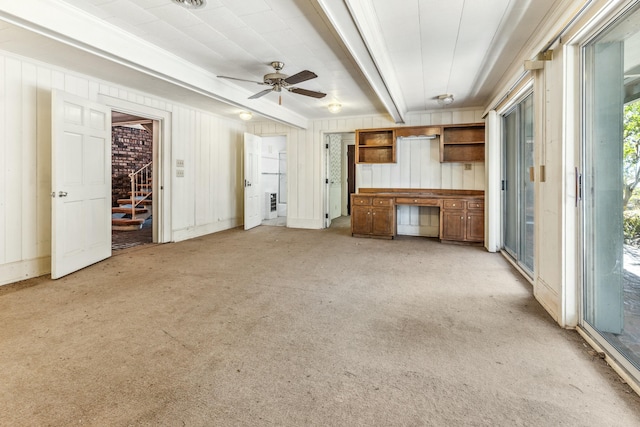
(518, 189)
(611, 288)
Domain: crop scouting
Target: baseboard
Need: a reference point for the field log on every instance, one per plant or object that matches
(22, 270)
(203, 230)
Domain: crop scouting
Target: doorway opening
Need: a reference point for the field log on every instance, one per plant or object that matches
(273, 180)
(132, 180)
(340, 174)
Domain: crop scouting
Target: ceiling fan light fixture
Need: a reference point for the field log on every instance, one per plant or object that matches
(445, 99)
(191, 4)
(335, 108)
(245, 115)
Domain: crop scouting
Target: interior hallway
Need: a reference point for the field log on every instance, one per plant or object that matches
(292, 327)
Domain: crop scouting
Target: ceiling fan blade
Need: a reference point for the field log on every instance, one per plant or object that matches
(259, 94)
(302, 76)
(241, 80)
(306, 92)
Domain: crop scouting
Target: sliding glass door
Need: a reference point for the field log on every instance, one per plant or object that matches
(611, 196)
(518, 191)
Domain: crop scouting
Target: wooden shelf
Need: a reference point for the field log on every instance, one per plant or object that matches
(462, 143)
(376, 146)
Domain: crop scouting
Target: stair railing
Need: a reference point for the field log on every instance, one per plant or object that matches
(141, 177)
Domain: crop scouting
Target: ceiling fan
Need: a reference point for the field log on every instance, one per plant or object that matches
(279, 81)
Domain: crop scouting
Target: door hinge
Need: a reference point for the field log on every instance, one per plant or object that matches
(326, 146)
(326, 181)
(326, 216)
(504, 185)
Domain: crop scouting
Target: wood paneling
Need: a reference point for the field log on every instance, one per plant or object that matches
(205, 200)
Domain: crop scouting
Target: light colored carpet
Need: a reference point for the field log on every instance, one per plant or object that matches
(286, 327)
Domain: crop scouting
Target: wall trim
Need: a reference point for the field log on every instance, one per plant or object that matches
(23, 270)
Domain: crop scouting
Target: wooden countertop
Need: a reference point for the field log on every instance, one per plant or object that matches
(421, 192)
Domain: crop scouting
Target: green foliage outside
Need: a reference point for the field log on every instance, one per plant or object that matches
(631, 170)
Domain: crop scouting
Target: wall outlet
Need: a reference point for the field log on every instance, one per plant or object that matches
(468, 166)
(179, 163)
(180, 173)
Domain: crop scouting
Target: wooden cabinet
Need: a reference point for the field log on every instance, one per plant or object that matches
(458, 143)
(372, 216)
(462, 143)
(376, 146)
(463, 220)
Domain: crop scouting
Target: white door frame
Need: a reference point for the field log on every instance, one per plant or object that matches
(162, 231)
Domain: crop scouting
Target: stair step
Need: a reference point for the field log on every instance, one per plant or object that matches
(127, 210)
(128, 202)
(122, 224)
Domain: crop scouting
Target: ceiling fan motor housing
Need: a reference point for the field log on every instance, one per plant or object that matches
(275, 78)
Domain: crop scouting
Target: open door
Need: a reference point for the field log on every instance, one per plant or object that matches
(80, 183)
(252, 152)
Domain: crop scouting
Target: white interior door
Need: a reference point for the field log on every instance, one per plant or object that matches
(252, 153)
(80, 183)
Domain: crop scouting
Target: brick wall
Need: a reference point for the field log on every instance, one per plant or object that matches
(130, 149)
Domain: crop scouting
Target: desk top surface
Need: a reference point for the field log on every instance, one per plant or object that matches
(421, 193)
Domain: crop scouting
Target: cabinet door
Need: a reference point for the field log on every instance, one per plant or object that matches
(361, 220)
(453, 225)
(383, 221)
(475, 226)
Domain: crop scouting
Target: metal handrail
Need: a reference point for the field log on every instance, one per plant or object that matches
(141, 176)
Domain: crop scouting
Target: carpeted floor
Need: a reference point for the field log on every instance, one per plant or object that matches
(287, 327)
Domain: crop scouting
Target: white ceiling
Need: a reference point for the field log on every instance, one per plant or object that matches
(414, 49)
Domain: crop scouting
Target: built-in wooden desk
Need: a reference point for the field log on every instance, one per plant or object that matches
(461, 212)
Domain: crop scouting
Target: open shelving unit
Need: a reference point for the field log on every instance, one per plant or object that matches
(376, 146)
(462, 143)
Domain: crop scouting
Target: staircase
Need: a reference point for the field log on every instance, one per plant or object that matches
(135, 210)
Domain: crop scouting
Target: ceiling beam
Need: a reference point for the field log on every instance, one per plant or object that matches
(355, 23)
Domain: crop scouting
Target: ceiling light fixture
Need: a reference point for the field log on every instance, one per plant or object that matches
(191, 4)
(335, 108)
(445, 99)
(245, 115)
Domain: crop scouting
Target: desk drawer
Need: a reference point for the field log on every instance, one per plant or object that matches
(475, 205)
(417, 201)
(362, 200)
(379, 201)
(454, 204)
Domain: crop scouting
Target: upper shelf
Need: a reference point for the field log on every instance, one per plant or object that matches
(458, 143)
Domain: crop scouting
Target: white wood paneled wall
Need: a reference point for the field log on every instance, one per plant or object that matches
(207, 199)
(418, 163)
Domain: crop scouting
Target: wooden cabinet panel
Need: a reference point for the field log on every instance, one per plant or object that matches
(361, 220)
(373, 216)
(475, 226)
(383, 221)
(453, 225)
(463, 220)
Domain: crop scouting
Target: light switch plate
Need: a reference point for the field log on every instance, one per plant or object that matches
(468, 166)
(180, 173)
(179, 163)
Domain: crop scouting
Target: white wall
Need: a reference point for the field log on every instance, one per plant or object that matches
(207, 199)
(417, 165)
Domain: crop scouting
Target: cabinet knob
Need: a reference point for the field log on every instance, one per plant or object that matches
(453, 204)
(415, 200)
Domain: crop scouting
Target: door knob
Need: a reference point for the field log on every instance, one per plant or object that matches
(62, 194)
